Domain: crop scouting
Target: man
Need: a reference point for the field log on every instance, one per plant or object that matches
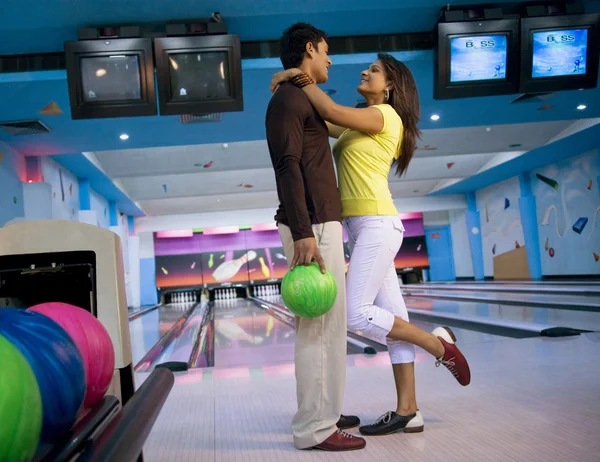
(309, 223)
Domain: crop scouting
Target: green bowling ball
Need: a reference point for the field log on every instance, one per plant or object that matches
(307, 292)
(20, 406)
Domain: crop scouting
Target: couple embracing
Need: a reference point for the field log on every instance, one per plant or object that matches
(370, 141)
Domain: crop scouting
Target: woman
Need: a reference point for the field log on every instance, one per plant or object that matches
(369, 140)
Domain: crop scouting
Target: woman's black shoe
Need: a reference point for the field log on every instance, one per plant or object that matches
(391, 422)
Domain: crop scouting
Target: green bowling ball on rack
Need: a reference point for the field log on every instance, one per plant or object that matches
(20, 406)
(307, 292)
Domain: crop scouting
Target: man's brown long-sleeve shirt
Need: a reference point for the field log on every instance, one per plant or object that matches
(299, 146)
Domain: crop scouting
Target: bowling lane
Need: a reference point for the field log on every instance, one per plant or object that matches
(148, 329)
(583, 289)
(585, 320)
(590, 303)
(464, 335)
(245, 335)
(180, 349)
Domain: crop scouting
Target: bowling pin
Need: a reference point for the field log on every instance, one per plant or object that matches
(264, 268)
(228, 269)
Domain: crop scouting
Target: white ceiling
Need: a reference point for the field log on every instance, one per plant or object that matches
(173, 180)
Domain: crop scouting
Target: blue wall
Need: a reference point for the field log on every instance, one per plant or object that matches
(12, 169)
(499, 214)
(100, 205)
(562, 215)
(439, 250)
(65, 190)
(149, 295)
(568, 215)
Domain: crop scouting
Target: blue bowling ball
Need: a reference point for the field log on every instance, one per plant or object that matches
(56, 363)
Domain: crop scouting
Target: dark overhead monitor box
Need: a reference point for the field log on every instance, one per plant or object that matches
(199, 74)
(559, 53)
(476, 58)
(111, 78)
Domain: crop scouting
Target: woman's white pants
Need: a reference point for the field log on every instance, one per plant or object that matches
(373, 292)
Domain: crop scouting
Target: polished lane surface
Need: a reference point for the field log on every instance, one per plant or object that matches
(464, 336)
(149, 328)
(585, 320)
(543, 300)
(245, 335)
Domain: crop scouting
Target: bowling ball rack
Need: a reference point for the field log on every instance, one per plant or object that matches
(109, 432)
(70, 278)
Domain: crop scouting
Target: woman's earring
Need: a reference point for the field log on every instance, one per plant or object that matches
(386, 94)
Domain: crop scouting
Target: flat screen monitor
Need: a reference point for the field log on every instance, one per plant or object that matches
(559, 53)
(199, 74)
(111, 78)
(476, 58)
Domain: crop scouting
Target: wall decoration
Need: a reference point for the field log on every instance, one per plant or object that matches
(567, 211)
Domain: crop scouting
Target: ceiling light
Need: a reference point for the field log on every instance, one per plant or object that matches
(435, 117)
(581, 107)
(124, 136)
(488, 129)
(225, 145)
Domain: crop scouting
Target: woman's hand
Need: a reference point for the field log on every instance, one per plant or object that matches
(282, 77)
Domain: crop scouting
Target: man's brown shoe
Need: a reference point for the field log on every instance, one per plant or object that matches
(341, 441)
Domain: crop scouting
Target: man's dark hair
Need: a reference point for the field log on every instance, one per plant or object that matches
(292, 44)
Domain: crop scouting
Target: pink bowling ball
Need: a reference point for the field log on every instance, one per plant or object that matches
(93, 341)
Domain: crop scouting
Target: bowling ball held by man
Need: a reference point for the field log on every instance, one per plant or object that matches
(307, 291)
